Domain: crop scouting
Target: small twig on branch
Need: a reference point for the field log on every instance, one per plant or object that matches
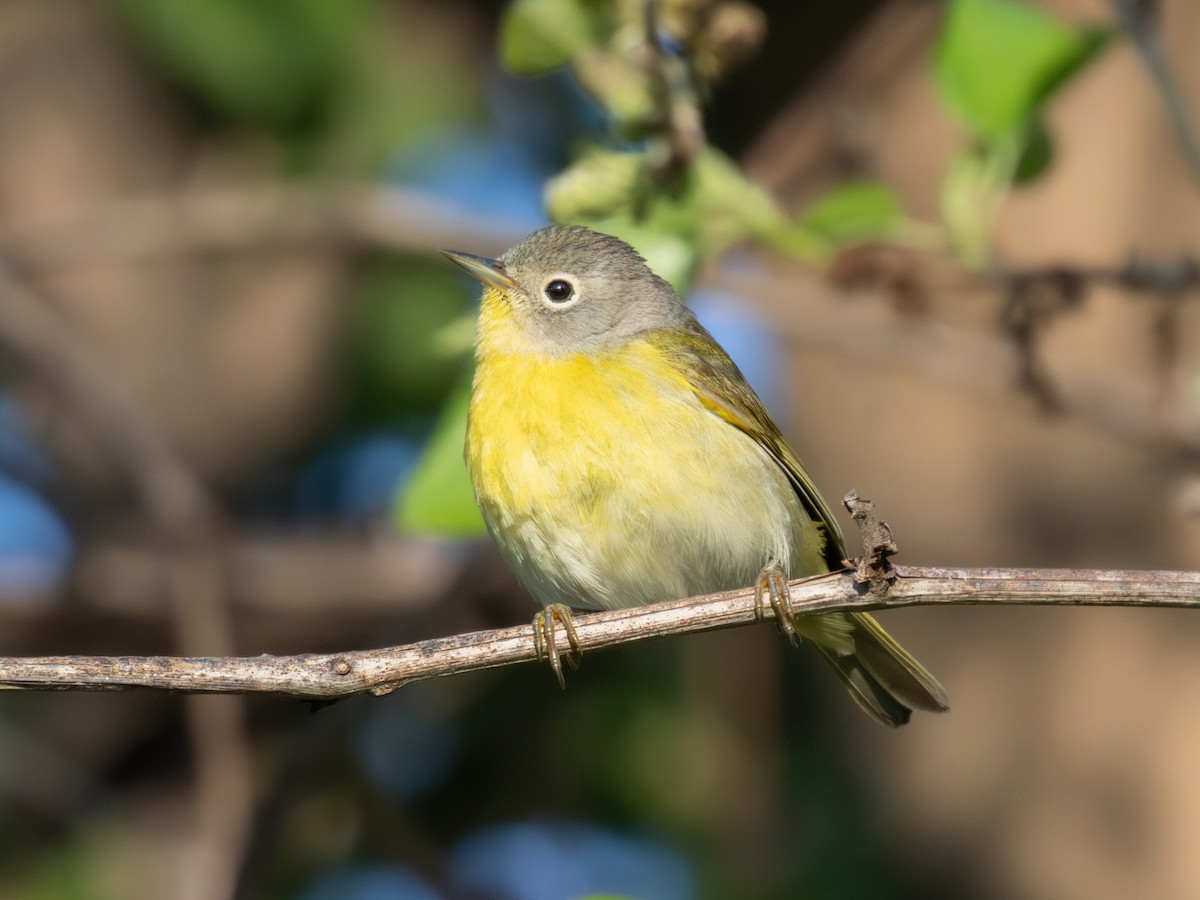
(336, 675)
(873, 568)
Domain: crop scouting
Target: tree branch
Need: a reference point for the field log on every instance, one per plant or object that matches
(874, 330)
(336, 675)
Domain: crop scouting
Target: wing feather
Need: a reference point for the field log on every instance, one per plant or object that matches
(884, 679)
(721, 387)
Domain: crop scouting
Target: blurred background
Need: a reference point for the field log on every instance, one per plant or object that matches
(953, 245)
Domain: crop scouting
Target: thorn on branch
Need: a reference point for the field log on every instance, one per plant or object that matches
(873, 568)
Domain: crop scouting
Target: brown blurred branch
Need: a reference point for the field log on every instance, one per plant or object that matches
(331, 676)
(186, 519)
(1036, 297)
(234, 218)
(273, 574)
(824, 134)
(876, 327)
(46, 349)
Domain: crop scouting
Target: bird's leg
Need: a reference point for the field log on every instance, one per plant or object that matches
(545, 643)
(772, 587)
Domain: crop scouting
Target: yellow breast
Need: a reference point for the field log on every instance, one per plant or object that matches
(557, 437)
(606, 483)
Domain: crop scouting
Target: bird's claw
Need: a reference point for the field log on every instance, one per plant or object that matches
(772, 587)
(545, 644)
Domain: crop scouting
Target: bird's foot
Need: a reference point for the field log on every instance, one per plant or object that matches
(772, 587)
(547, 645)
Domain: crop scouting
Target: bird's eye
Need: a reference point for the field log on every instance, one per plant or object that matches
(559, 291)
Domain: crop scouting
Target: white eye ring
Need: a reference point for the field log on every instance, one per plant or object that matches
(560, 291)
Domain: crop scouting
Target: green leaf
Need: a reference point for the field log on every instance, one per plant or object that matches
(438, 498)
(972, 192)
(599, 184)
(266, 62)
(854, 212)
(997, 61)
(397, 366)
(1037, 152)
(537, 36)
(729, 207)
(620, 84)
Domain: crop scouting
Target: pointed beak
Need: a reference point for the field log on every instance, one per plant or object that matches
(489, 271)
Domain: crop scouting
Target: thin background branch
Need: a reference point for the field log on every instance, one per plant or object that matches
(874, 329)
(1141, 20)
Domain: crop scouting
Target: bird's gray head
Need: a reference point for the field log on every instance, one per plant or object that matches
(572, 290)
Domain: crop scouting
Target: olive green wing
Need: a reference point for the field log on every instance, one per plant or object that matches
(722, 388)
(882, 677)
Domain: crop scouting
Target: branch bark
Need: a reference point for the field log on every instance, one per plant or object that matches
(337, 675)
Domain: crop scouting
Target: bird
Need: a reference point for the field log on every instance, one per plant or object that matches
(620, 458)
